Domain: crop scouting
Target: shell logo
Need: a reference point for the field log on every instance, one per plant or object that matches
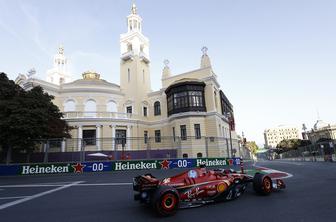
(221, 187)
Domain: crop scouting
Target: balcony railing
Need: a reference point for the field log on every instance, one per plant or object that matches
(115, 115)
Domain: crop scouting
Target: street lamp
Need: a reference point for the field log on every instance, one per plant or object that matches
(228, 115)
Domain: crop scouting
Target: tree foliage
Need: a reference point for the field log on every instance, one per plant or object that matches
(27, 116)
(290, 144)
(252, 146)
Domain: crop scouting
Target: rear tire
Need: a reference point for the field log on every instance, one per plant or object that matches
(165, 201)
(262, 184)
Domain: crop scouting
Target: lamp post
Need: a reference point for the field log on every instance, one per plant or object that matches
(229, 118)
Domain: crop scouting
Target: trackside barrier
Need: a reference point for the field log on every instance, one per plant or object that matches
(123, 165)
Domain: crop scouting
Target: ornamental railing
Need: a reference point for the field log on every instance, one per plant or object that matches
(115, 115)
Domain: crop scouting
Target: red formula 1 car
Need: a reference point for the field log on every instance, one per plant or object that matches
(199, 186)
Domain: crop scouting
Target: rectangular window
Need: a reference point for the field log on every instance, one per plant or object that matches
(120, 137)
(197, 128)
(145, 111)
(183, 129)
(89, 137)
(145, 136)
(157, 136)
(129, 109)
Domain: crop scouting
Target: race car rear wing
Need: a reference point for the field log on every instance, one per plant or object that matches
(145, 182)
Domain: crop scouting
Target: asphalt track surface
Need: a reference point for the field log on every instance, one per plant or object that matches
(310, 196)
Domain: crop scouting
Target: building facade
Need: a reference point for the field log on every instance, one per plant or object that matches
(273, 136)
(188, 107)
(321, 131)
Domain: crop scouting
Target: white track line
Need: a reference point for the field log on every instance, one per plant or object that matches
(31, 185)
(58, 185)
(4, 206)
(6, 198)
(104, 184)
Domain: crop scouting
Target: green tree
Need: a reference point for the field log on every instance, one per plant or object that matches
(290, 144)
(27, 116)
(252, 146)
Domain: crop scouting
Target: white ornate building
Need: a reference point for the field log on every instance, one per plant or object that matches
(321, 130)
(188, 107)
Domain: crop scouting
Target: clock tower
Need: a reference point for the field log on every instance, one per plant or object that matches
(134, 63)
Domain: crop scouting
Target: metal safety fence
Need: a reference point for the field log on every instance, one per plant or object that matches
(322, 151)
(93, 149)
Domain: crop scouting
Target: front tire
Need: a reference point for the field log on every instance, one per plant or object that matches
(262, 184)
(165, 201)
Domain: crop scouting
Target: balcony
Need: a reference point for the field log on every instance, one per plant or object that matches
(128, 55)
(112, 115)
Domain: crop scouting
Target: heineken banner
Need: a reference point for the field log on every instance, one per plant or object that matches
(122, 165)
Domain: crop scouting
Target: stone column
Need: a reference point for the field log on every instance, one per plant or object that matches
(79, 137)
(98, 142)
(128, 137)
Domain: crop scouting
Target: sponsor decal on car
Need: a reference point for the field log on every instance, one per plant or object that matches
(192, 174)
(194, 192)
(221, 187)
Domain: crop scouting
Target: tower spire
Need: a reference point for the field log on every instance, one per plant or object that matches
(166, 70)
(61, 49)
(59, 73)
(134, 20)
(205, 60)
(134, 9)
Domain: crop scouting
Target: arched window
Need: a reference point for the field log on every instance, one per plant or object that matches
(157, 108)
(199, 155)
(129, 47)
(185, 155)
(90, 108)
(69, 106)
(111, 106)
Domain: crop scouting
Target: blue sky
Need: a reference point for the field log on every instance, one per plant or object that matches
(275, 60)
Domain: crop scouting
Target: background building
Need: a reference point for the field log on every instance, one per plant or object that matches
(273, 136)
(321, 131)
(189, 116)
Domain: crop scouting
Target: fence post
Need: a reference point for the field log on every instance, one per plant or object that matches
(81, 153)
(114, 146)
(206, 147)
(45, 159)
(227, 148)
(9, 155)
(148, 148)
(63, 145)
